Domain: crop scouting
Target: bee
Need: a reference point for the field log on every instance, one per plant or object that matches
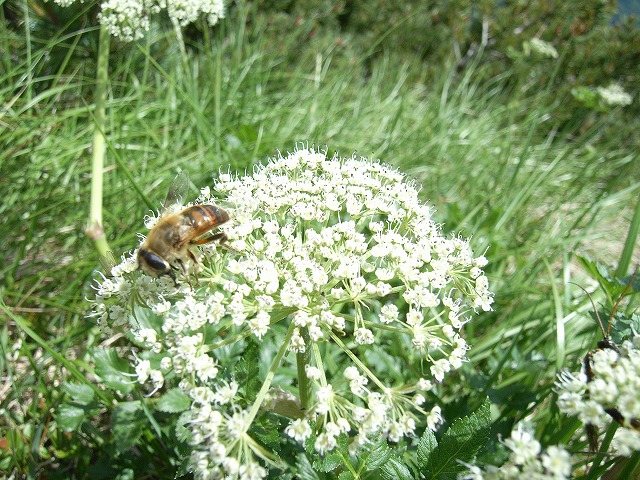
(604, 344)
(167, 248)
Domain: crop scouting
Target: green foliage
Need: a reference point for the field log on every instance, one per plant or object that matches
(615, 322)
(460, 443)
(173, 401)
(128, 423)
(500, 145)
(111, 369)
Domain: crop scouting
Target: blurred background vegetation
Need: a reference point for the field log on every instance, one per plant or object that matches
(493, 132)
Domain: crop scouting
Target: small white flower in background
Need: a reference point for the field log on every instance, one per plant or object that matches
(615, 385)
(614, 95)
(342, 255)
(129, 20)
(526, 460)
(540, 47)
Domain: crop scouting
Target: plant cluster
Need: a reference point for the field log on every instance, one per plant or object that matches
(339, 260)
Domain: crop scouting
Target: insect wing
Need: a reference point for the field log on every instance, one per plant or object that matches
(178, 192)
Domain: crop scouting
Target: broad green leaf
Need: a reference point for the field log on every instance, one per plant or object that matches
(267, 429)
(331, 460)
(127, 424)
(247, 373)
(185, 467)
(111, 369)
(461, 442)
(328, 462)
(613, 287)
(69, 417)
(80, 393)
(173, 401)
(375, 455)
(395, 469)
(305, 470)
(426, 446)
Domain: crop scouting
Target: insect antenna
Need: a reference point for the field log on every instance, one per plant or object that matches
(595, 310)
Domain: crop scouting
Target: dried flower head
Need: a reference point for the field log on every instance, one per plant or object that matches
(339, 261)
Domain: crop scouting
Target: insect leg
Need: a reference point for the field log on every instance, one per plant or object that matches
(220, 237)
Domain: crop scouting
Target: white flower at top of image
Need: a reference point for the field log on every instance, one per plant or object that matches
(129, 20)
(540, 47)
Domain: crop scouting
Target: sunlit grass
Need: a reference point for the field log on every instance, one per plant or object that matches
(495, 166)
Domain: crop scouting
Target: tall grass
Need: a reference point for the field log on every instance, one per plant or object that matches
(495, 166)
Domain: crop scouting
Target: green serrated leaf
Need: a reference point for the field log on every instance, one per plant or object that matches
(127, 424)
(305, 470)
(247, 373)
(79, 392)
(183, 433)
(346, 475)
(111, 370)
(267, 429)
(185, 467)
(461, 442)
(69, 417)
(333, 459)
(328, 462)
(395, 469)
(613, 287)
(173, 401)
(375, 455)
(426, 446)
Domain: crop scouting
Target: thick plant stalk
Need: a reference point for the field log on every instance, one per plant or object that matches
(94, 229)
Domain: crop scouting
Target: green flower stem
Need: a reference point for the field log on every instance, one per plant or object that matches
(302, 360)
(275, 318)
(94, 227)
(178, 31)
(357, 361)
(604, 448)
(270, 376)
(319, 364)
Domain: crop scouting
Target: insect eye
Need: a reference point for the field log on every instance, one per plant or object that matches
(154, 261)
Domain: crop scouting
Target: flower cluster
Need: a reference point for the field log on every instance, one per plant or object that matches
(334, 260)
(526, 460)
(540, 47)
(614, 386)
(614, 96)
(130, 20)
